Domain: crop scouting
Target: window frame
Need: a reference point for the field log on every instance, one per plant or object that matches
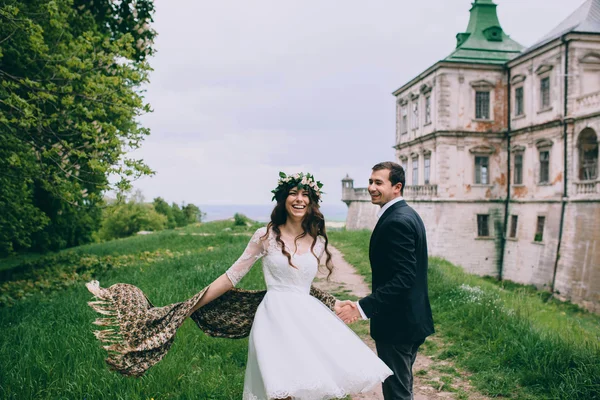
(427, 169)
(478, 93)
(588, 166)
(475, 170)
(539, 235)
(514, 225)
(415, 171)
(415, 115)
(520, 105)
(403, 119)
(541, 164)
(543, 95)
(427, 109)
(520, 175)
(404, 164)
(480, 219)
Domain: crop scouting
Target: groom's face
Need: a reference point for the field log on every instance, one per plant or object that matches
(381, 189)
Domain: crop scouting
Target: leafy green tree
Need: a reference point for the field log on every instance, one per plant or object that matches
(178, 215)
(70, 79)
(162, 207)
(192, 214)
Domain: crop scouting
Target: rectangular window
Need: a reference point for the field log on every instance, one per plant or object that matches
(415, 116)
(427, 170)
(405, 166)
(519, 106)
(483, 227)
(415, 171)
(545, 166)
(482, 105)
(545, 92)
(404, 120)
(539, 231)
(518, 180)
(513, 226)
(481, 170)
(428, 109)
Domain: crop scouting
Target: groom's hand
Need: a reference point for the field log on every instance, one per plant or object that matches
(347, 311)
(339, 304)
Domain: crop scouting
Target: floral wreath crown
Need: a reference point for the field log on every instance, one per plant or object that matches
(300, 181)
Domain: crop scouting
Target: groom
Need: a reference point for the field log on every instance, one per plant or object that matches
(399, 305)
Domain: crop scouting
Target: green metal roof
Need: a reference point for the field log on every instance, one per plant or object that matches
(484, 41)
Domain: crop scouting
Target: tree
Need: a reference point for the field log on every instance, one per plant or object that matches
(123, 219)
(192, 214)
(70, 78)
(162, 207)
(178, 215)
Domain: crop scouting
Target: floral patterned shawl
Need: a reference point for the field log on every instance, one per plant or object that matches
(140, 334)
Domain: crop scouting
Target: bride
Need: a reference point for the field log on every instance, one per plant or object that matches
(298, 348)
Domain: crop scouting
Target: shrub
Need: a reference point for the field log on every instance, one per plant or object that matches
(241, 220)
(126, 219)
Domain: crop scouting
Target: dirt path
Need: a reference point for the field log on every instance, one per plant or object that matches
(434, 379)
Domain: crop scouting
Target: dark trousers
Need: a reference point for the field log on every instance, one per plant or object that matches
(400, 359)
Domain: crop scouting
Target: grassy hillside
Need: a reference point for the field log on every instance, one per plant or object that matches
(514, 343)
(47, 349)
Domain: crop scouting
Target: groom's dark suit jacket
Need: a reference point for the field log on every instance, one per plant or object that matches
(399, 305)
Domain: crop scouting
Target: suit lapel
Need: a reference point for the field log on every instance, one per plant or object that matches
(385, 215)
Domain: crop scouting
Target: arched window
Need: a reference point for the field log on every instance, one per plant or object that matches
(588, 155)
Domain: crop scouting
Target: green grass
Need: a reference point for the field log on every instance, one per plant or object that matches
(47, 350)
(514, 343)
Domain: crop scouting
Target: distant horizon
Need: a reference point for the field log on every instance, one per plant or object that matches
(262, 212)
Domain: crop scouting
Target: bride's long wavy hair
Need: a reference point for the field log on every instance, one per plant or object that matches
(313, 224)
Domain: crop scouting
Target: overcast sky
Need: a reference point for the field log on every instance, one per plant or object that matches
(244, 89)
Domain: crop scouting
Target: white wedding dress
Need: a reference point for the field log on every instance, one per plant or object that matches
(298, 347)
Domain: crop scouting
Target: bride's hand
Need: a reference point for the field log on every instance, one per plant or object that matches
(339, 304)
(347, 310)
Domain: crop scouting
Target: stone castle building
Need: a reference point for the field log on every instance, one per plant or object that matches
(500, 148)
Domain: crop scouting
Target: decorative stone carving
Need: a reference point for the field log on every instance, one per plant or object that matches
(425, 88)
(544, 68)
(517, 79)
(482, 84)
(482, 149)
(543, 143)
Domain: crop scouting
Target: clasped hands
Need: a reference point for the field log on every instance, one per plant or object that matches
(347, 311)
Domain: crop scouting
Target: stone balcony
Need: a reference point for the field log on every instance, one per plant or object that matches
(587, 102)
(586, 188)
(419, 192)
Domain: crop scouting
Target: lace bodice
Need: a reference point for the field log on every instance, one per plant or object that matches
(277, 271)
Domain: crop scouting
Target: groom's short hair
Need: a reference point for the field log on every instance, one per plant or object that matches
(396, 172)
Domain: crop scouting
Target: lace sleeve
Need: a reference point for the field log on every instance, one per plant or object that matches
(254, 251)
(320, 248)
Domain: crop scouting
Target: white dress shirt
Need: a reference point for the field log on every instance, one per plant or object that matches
(379, 214)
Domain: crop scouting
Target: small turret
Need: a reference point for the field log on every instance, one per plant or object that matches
(347, 189)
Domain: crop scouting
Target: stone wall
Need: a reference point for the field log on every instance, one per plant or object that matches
(578, 274)
(452, 234)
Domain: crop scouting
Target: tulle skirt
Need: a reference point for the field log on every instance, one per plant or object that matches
(299, 348)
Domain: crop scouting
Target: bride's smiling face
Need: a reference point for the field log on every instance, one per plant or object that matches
(296, 203)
